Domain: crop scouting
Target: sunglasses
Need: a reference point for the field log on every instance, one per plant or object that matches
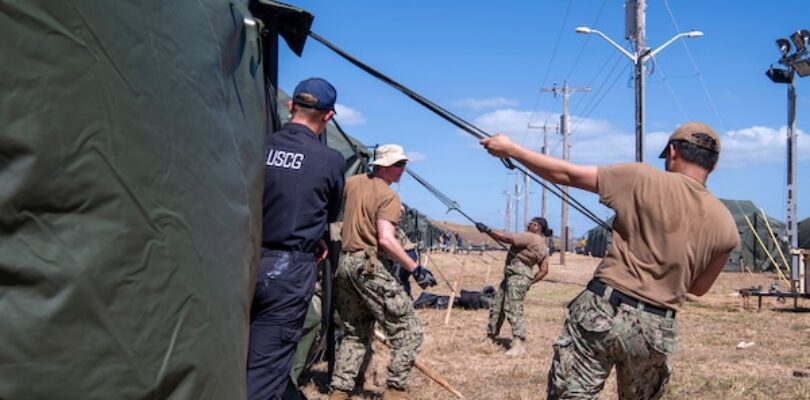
(399, 164)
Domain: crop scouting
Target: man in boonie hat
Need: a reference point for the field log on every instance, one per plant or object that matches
(366, 291)
(671, 237)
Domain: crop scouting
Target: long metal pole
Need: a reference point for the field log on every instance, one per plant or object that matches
(792, 225)
(544, 206)
(639, 71)
(566, 155)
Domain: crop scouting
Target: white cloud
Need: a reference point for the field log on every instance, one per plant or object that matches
(415, 156)
(348, 116)
(482, 104)
(760, 144)
(595, 141)
(592, 141)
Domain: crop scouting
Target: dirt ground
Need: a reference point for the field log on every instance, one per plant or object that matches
(710, 363)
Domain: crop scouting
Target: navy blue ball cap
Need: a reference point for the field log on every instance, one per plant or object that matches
(324, 93)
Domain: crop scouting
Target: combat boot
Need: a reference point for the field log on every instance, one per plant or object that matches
(395, 394)
(517, 348)
(339, 395)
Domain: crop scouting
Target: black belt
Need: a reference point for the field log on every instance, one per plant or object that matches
(617, 298)
(294, 254)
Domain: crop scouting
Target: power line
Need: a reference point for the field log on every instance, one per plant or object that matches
(697, 71)
(671, 92)
(582, 49)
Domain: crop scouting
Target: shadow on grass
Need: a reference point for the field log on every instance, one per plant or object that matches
(791, 310)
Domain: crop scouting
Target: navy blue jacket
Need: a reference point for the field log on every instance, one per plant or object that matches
(303, 189)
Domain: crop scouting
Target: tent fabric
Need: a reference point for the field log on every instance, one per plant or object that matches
(749, 252)
(804, 233)
(131, 161)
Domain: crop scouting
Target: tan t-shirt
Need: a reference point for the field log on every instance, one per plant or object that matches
(528, 247)
(668, 228)
(366, 199)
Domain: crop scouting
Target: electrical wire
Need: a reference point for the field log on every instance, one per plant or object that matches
(461, 123)
(695, 67)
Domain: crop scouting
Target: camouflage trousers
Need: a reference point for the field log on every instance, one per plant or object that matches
(367, 293)
(597, 336)
(508, 304)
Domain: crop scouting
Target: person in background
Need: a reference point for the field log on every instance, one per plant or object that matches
(526, 264)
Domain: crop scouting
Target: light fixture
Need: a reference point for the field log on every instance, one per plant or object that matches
(694, 33)
(802, 67)
(583, 29)
(783, 45)
(779, 75)
(800, 39)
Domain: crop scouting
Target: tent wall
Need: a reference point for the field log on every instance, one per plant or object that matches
(749, 252)
(131, 152)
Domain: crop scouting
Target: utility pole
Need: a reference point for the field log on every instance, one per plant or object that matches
(566, 93)
(525, 199)
(508, 212)
(545, 127)
(641, 48)
(635, 25)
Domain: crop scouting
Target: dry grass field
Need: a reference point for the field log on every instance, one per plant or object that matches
(708, 364)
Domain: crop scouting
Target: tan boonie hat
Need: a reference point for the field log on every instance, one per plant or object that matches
(690, 132)
(389, 154)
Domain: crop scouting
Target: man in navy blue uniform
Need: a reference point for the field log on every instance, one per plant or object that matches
(303, 191)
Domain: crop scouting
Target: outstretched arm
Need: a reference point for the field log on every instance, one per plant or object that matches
(502, 236)
(550, 168)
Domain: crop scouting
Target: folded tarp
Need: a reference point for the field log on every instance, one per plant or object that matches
(131, 147)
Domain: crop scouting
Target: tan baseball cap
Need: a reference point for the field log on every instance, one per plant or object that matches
(691, 132)
(389, 154)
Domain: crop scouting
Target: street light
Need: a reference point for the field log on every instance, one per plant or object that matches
(798, 62)
(638, 60)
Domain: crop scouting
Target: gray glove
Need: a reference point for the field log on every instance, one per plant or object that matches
(424, 278)
(482, 228)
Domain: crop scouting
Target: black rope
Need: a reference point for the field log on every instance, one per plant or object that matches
(462, 124)
(451, 205)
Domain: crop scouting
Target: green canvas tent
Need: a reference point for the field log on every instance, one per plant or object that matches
(749, 252)
(131, 153)
(804, 233)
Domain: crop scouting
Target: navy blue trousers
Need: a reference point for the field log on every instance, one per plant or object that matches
(285, 283)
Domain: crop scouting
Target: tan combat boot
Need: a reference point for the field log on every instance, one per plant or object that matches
(339, 395)
(395, 394)
(517, 348)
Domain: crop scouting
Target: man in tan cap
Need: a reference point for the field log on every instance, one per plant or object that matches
(671, 237)
(366, 290)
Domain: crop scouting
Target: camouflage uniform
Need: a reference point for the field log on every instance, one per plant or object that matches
(596, 335)
(517, 278)
(366, 292)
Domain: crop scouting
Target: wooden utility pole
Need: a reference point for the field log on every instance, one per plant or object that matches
(635, 30)
(508, 211)
(566, 93)
(544, 197)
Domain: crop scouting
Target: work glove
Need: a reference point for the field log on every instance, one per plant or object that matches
(482, 228)
(423, 277)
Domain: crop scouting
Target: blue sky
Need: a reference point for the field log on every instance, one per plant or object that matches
(486, 62)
